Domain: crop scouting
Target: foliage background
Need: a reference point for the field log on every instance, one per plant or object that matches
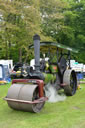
(57, 20)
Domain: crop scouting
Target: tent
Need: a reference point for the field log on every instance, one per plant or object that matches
(9, 63)
(4, 74)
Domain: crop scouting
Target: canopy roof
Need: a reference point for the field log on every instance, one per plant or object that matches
(52, 46)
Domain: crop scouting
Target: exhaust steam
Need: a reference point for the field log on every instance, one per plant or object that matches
(52, 94)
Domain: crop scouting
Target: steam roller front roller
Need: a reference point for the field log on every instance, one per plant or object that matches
(23, 97)
(70, 80)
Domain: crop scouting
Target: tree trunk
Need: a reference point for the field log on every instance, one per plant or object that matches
(20, 55)
(7, 54)
(26, 59)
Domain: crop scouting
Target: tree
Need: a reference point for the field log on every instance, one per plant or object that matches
(75, 19)
(52, 16)
(21, 22)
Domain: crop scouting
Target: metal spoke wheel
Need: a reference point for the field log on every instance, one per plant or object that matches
(70, 81)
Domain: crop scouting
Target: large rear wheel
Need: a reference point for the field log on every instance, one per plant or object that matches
(70, 81)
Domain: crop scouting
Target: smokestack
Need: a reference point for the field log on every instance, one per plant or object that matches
(36, 39)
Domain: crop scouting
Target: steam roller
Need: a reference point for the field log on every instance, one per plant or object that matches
(28, 94)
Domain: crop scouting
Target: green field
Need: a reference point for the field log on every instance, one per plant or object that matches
(67, 114)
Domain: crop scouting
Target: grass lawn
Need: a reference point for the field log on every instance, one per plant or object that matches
(82, 79)
(67, 114)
